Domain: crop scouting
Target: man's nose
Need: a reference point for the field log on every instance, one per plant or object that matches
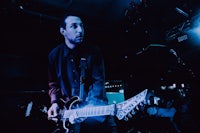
(79, 29)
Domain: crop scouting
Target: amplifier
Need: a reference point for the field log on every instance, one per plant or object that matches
(115, 91)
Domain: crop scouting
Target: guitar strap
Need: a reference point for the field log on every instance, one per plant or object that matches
(82, 77)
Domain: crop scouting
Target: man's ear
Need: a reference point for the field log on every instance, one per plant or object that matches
(62, 31)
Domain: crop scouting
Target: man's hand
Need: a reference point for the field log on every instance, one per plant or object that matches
(53, 112)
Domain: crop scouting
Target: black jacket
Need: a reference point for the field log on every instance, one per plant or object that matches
(64, 73)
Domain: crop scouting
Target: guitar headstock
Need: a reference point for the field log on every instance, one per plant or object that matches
(124, 108)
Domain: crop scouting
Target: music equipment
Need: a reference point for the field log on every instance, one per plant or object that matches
(115, 91)
(68, 114)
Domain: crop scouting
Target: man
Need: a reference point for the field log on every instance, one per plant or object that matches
(76, 71)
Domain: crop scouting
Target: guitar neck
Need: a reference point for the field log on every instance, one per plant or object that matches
(91, 111)
(120, 109)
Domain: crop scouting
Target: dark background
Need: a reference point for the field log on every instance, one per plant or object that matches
(29, 30)
(131, 35)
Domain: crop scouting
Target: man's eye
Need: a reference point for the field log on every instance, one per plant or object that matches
(74, 26)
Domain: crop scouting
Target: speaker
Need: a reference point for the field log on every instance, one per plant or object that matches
(115, 91)
(115, 97)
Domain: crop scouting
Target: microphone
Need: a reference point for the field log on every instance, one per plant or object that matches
(181, 62)
(172, 51)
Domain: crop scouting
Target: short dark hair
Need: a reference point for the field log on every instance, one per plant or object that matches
(67, 14)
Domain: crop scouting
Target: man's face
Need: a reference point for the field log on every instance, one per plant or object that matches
(74, 31)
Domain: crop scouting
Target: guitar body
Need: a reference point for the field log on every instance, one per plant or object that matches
(65, 126)
(73, 103)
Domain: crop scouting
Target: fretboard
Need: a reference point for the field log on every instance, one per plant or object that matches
(91, 111)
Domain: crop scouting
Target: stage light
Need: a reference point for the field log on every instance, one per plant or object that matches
(187, 30)
(194, 32)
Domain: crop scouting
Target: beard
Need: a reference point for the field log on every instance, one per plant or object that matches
(76, 41)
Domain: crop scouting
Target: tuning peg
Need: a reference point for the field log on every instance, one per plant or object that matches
(129, 115)
(144, 102)
(137, 108)
(148, 102)
(126, 118)
(141, 104)
(133, 112)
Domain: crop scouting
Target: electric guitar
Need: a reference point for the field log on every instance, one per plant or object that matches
(119, 110)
